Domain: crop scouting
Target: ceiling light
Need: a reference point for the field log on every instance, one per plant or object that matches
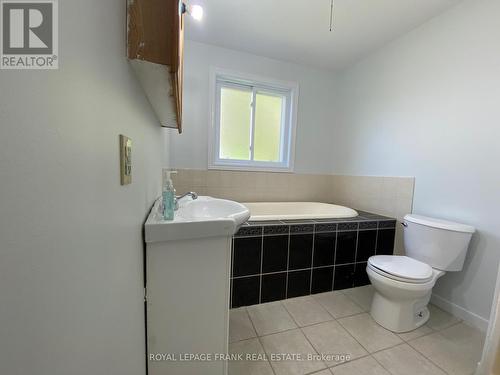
(195, 11)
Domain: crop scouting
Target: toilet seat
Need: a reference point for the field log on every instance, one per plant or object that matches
(401, 268)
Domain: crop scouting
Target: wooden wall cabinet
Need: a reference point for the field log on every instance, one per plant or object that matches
(155, 39)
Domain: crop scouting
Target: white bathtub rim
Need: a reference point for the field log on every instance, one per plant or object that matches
(333, 211)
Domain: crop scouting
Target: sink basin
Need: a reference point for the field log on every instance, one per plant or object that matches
(208, 208)
(202, 217)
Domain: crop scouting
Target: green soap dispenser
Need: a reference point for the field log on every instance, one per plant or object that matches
(168, 195)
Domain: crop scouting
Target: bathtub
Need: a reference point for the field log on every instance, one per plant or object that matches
(266, 211)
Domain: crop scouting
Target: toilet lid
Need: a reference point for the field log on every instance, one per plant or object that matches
(402, 267)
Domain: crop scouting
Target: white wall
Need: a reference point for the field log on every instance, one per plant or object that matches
(314, 117)
(428, 105)
(70, 236)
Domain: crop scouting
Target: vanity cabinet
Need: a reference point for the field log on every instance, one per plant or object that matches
(155, 40)
(188, 267)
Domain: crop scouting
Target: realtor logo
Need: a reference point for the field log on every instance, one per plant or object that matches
(29, 34)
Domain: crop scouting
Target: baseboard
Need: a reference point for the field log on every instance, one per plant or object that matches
(466, 315)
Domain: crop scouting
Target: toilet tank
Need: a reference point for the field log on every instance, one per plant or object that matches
(439, 243)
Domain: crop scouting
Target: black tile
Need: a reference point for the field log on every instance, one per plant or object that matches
(325, 227)
(246, 256)
(249, 231)
(245, 291)
(348, 226)
(366, 245)
(275, 254)
(273, 287)
(300, 251)
(385, 241)
(344, 277)
(299, 283)
(302, 228)
(346, 247)
(360, 275)
(322, 279)
(276, 229)
(387, 224)
(324, 249)
(368, 225)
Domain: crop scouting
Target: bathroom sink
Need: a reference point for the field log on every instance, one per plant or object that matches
(208, 208)
(202, 217)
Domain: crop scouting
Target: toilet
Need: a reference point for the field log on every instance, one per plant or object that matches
(403, 284)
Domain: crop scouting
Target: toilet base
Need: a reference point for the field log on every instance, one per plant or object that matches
(402, 315)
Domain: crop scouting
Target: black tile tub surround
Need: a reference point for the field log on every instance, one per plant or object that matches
(273, 287)
(324, 249)
(322, 280)
(298, 283)
(285, 259)
(247, 255)
(245, 291)
(274, 254)
(344, 276)
(385, 241)
(346, 247)
(367, 242)
(300, 249)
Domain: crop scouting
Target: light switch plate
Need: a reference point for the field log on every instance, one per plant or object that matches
(125, 160)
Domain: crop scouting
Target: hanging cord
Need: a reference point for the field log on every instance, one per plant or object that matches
(331, 15)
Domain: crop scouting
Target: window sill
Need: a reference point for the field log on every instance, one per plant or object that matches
(248, 168)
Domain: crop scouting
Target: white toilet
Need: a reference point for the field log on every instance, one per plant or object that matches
(403, 284)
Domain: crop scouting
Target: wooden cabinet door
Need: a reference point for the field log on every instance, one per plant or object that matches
(156, 36)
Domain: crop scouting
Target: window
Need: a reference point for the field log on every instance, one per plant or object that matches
(253, 123)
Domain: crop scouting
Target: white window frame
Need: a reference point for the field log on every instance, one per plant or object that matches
(289, 90)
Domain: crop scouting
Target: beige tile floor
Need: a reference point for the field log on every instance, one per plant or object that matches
(333, 333)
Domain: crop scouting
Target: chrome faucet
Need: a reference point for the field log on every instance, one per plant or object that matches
(191, 194)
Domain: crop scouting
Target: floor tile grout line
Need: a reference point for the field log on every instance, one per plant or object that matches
(341, 317)
(307, 339)
(451, 325)
(389, 347)
(324, 308)
(260, 342)
(416, 338)
(423, 355)
(311, 297)
(354, 338)
(292, 329)
(430, 360)
(385, 368)
(348, 296)
(317, 372)
(349, 361)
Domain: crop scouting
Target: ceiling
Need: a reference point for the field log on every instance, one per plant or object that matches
(298, 30)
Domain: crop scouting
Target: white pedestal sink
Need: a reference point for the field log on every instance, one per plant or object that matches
(187, 276)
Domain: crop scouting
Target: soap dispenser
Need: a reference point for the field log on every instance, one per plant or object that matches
(168, 195)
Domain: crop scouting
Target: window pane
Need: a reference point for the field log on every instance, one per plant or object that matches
(235, 123)
(268, 112)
